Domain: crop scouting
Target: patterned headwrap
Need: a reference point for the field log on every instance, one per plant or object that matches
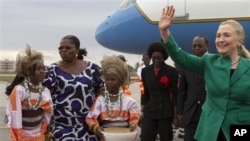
(26, 59)
(112, 64)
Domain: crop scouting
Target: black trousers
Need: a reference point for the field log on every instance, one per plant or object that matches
(221, 136)
(152, 127)
(191, 127)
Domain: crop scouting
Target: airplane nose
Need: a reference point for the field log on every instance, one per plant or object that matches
(123, 29)
(102, 32)
(108, 34)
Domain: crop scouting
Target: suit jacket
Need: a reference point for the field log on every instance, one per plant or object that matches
(191, 92)
(159, 99)
(228, 97)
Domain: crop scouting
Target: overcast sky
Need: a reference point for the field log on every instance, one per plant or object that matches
(42, 24)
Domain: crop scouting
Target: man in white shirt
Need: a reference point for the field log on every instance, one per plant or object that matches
(146, 61)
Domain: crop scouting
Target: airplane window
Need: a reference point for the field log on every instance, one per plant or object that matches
(127, 3)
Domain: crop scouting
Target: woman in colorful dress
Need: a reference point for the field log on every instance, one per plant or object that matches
(113, 108)
(29, 107)
(74, 84)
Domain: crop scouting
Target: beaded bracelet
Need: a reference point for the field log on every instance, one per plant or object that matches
(48, 135)
(132, 125)
(95, 128)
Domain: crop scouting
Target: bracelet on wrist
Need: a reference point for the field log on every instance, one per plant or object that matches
(95, 128)
(132, 125)
(48, 135)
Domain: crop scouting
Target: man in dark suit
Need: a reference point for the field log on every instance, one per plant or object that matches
(192, 92)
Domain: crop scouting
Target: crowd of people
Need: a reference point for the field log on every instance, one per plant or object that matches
(74, 99)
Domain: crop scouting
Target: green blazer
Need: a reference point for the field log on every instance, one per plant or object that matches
(228, 97)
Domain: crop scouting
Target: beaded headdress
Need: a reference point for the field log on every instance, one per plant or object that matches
(26, 59)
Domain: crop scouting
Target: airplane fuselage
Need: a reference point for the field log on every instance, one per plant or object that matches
(134, 26)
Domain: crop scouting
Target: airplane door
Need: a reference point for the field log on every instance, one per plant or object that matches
(180, 8)
(194, 9)
(151, 9)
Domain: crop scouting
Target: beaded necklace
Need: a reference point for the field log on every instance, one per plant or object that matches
(27, 90)
(110, 105)
(35, 86)
(237, 61)
(113, 95)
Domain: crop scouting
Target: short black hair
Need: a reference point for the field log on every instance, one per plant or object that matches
(205, 38)
(144, 55)
(157, 47)
(122, 58)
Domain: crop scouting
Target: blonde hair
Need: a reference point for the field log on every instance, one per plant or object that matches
(113, 65)
(241, 33)
(25, 60)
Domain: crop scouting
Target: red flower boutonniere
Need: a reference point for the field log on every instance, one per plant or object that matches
(165, 81)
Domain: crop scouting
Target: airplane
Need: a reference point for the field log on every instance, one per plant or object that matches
(134, 26)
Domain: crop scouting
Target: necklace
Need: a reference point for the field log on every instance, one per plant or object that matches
(111, 106)
(35, 86)
(113, 95)
(27, 90)
(237, 61)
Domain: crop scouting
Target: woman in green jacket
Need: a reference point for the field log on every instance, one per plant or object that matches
(226, 74)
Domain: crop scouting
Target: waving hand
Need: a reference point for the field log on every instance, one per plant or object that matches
(165, 21)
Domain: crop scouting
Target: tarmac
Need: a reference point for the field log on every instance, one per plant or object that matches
(4, 133)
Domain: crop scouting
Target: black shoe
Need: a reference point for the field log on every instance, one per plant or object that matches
(180, 136)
